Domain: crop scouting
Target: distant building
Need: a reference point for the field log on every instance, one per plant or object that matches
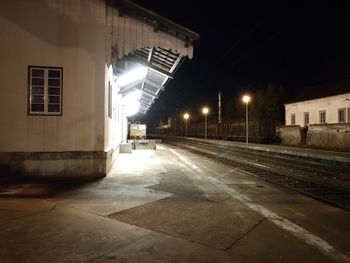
(66, 82)
(324, 111)
(323, 104)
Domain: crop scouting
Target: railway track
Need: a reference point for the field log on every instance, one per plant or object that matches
(331, 185)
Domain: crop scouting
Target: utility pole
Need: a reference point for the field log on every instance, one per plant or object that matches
(219, 107)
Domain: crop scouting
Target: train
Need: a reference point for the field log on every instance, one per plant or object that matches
(259, 132)
(137, 131)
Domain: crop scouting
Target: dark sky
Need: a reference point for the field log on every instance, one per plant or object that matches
(244, 45)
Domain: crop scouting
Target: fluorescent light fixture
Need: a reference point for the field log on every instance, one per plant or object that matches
(132, 76)
(131, 102)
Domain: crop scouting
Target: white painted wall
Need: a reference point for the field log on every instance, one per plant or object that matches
(80, 37)
(113, 126)
(68, 34)
(328, 104)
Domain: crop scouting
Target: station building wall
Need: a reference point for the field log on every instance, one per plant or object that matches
(326, 136)
(290, 135)
(330, 105)
(69, 35)
(83, 39)
(331, 136)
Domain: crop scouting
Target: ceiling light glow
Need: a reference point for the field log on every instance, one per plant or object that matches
(131, 102)
(131, 76)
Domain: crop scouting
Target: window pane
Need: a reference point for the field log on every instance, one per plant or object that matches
(342, 119)
(37, 81)
(54, 73)
(37, 107)
(306, 118)
(37, 90)
(54, 91)
(45, 90)
(341, 115)
(54, 82)
(54, 108)
(54, 99)
(37, 73)
(322, 117)
(37, 99)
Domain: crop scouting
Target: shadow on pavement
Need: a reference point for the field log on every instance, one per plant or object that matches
(29, 187)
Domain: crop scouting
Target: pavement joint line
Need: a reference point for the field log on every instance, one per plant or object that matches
(122, 246)
(299, 232)
(225, 173)
(31, 214)
(108, 215)
(83, 210)
(246, 233)
(223, 154)
(134, 207)
(172, 236)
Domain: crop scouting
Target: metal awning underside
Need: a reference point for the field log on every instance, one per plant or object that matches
(162, 64)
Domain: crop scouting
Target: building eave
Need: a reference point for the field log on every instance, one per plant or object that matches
(158, 22)
(318, 98)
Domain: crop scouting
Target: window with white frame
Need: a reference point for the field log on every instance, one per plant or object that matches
(292, 119)
(341, 115)
(45, 90)
(322, 116)
(306, 118)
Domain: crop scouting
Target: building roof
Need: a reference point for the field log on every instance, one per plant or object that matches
(158, 22)
(322, 91)
(166, 47)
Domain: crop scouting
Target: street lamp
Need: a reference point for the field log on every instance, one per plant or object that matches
(186, 117)
(246, 100)
(205, 111)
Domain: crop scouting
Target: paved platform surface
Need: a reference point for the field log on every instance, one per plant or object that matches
(169, 205)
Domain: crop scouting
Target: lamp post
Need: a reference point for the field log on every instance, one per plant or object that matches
(186, 117)
(205, 111)
(246, 100)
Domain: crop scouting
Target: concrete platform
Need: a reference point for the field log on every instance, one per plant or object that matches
(332, 158)
(169, 205)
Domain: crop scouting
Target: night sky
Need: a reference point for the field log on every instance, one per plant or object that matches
(245, 45)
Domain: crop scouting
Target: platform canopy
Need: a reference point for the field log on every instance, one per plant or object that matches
(156, 66)
(147, 51)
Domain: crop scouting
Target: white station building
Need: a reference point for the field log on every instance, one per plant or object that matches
(72, 71)
(324, 104)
